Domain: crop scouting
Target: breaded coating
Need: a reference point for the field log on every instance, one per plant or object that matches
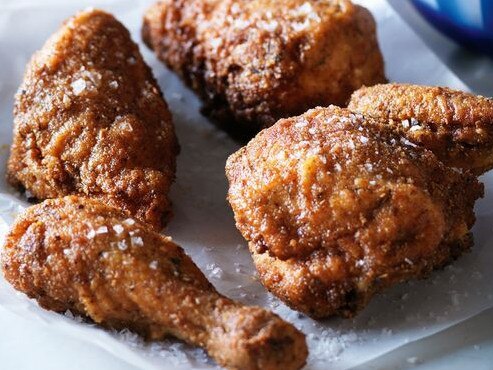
(90, 120)
(336, 208)
(255, 61)
(455, 125)
(78, 254)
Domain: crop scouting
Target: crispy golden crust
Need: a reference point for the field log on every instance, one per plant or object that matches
(335, 208)
(261, 60)
(456, 126)
(78, 254)
(90, 119)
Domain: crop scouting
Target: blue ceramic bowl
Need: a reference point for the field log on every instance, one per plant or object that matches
(469, 22)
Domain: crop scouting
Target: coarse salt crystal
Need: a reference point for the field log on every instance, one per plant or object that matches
(405, 123)
(66, 100)
(122, 245)
(363, 139)
(102, 230)
(408, 143)
(412, 360)
(386, 331)
(215, 271)
(129, 222)
(127, 126)
(118, 228)
(91, 234)
(114, 84)
(305, 9)
(137, 240)
(216, 42)
(153, 265)
(78, 86)
(241, 23)
(238, 268)
(298, 26)
(269, 26)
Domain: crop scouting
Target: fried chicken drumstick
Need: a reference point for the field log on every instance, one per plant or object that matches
(456, 126)
(90, 120)
(255, 61)
(336, 208)
(78, 254)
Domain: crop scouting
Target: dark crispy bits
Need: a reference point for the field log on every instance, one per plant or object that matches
(336, 208)
(90, 120)
(81, 255)
(456, 126)
(253, 62)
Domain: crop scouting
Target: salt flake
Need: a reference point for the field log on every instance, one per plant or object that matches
(129, 222)
(102, 230)
(118, 228)
(78, 86)
(137, 240)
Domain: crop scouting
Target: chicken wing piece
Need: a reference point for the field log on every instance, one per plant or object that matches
(336, 208)
(255, 61)
(456, 126)
(78, 254)
(90, 120)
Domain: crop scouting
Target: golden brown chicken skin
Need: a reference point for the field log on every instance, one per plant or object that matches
(90, 120)
(78, 254)
(335, 209)
(455, 125)
(255, 61)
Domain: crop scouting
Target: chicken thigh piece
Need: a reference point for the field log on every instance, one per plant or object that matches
(255, 61)
(78, 254)
(336, 208)
(90, 120)
(455, 125)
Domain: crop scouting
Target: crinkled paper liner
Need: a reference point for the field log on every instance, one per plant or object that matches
(203, 223)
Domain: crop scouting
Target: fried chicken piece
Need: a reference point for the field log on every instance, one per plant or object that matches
(336, 208)
(78, 254)
(255, 61)
(455, 125)
(90, 120)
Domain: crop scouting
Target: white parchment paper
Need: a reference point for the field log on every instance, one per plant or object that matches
(203, 222)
